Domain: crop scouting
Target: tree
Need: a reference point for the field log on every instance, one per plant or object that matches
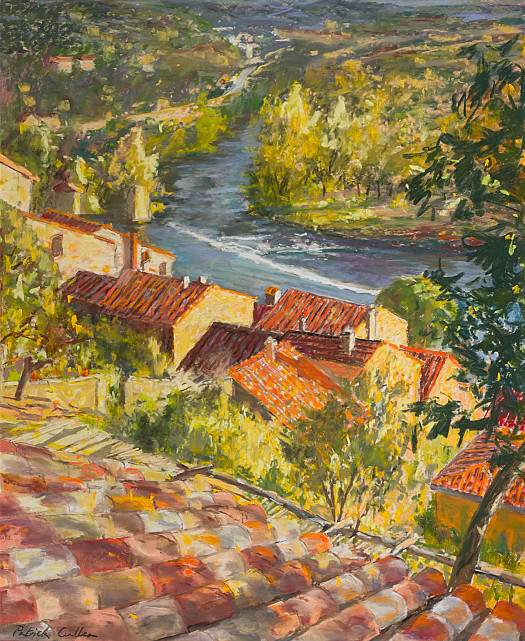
(482, 163)
(349, 458)
(288, 144)
(35, 325)
(416, 300)
(126, 351)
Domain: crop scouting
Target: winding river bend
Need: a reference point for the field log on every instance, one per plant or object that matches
(206, 224)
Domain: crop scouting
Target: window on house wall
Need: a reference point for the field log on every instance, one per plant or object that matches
(57, 246)
(162, 269)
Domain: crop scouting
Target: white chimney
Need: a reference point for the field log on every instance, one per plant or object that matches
(270, 347)
(348, 340)
(372, 323)
(302, 324)
(202, 279)
(185, 282)
(272, 295)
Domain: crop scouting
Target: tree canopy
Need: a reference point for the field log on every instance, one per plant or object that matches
(35, 325)
(481, 165)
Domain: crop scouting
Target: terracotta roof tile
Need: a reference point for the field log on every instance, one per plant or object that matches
(101, 555)
(322, 315)
(470, 472)
(64, 597)
(17, 605)
(70, 220)
(156, 619)
(222, 347)
(147, 298)
(180, 576)
(105, 625)
(432, 363)
(208, 604)
(41, 564)
(286, 384)
(81, 565)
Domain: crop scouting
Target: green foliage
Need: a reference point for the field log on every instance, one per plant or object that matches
(127, 351)
(416, 300)
(482, 161)
(143, 53)
(350, 458)
(340, 129)
(34, 323)
(206, 426)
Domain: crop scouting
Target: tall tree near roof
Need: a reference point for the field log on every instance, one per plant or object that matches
(482, 163)
(349, 458)
(35, 325)
(415, 300)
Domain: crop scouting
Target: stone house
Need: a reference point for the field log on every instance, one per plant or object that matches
(180, 311)
(16, 184)
(77, 242)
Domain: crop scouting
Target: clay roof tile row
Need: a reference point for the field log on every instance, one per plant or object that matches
(99, 547)
(321, 315)
(148, 298)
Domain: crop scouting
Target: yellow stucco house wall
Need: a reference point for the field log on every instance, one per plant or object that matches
(506, 530)
(79, 250)
(396, 370)
(16, 184)
(216, 305)
(383, 325)
(105, 251)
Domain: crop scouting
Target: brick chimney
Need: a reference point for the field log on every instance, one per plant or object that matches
(133, 251)
(185, 282)
(202, 279)
(302, 324)
(348, 340)
(372, 323)
(272, 295)
(270, 347)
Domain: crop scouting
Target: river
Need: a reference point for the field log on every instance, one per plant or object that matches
(206, 224)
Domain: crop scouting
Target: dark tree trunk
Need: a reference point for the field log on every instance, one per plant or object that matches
(470, 549)
(358, 186)
(391, 190)
(24, 378)
(378, 189)
(368, 190)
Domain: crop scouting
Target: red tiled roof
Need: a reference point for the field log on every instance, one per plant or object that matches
(322, 315)
(431, 365)
(147, 298)
(4, 160)
(470, 472)
(129, 554)
(222, 347)
(329, 348)
(70, 221)
(89, 287)
(288, 385)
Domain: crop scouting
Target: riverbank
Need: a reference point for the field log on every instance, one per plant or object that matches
(376, 223)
